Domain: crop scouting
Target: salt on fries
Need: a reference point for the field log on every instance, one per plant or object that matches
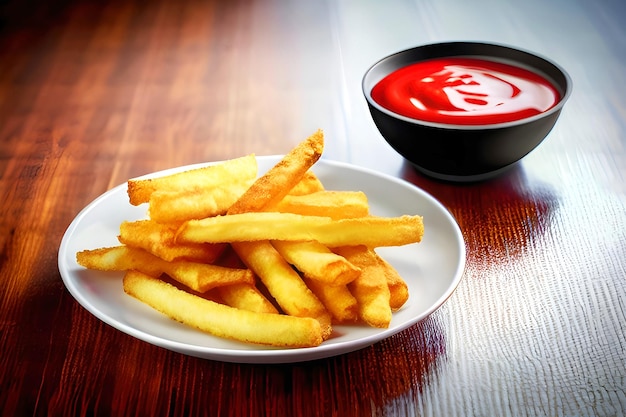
(275, 260)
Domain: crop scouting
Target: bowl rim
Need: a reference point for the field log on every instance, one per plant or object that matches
(567, 91)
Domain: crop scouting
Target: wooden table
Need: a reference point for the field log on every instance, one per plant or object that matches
(93, 93)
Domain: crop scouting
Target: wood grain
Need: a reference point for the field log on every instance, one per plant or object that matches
(93, 93)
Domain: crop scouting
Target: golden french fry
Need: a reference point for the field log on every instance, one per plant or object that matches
(337, 299)
(308, 184)
(317, 262)
(179, 206)
(398, 289)
(158, 239)
(238, 169)
(221, 320)
(282, 177)
(284, 284)
(197, 276)
(246, 297)
(120, 258)
(370, 288)
(277, 275)
(333, 204)
(370, 231)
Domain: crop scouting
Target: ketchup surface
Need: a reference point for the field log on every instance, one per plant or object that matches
(465, 91)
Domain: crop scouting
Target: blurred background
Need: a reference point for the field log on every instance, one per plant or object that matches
(132, 50)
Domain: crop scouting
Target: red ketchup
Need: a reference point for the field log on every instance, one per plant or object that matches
(465, 91)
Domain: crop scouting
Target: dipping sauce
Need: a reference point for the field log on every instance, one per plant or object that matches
(465, 91)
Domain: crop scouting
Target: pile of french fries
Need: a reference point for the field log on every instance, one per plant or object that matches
(275, 260)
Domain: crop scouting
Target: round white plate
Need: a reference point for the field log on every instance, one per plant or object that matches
(432, 269)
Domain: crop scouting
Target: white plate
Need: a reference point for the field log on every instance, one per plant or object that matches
(432, 269)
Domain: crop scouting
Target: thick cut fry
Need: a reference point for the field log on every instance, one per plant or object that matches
(337, 299)
(369, 231)
(317, 262)
(158, 239)
(238, 169)
(285, 285)
(282, 177)
(273, 270)
(333, 204)
(246, 297)
(179, 206)
(370, 288)
(199, 277)
(221, 320)
(398, 289)
(307, 185)
(120, 258)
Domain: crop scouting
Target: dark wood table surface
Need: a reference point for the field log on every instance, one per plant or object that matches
(93, 93)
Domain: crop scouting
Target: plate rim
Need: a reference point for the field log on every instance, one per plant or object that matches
(265, 355)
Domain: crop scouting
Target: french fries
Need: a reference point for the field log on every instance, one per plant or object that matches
(333, 204)
(178, 206)
(370, 231)
(244, 296)
(370, 288)
(159, 240)
(338, 299)
(307, 185)
(398, 289)
(285, 285)
(274, 259)
(316, 262)
(197, 276)
(275, 184)
(221, 320)
(206, 178)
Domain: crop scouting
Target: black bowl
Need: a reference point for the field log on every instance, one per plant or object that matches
(457, 152)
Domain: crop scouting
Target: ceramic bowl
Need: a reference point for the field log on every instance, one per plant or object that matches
(461, 152)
